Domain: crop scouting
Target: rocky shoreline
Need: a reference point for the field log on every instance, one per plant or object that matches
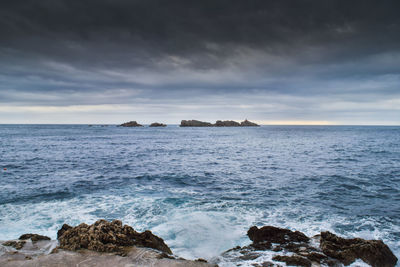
(107, 243)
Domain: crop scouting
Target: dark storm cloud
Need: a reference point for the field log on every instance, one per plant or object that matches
(55, 52)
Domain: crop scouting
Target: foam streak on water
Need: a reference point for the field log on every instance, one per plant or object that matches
(202, 188)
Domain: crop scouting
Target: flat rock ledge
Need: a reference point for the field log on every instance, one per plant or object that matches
(219, 123)
(296, 249)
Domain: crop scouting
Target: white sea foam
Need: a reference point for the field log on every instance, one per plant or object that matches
(191, 231)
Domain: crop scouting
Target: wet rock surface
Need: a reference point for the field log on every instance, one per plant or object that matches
(14, 244)
(275, 235)
(272, 245)
(104, 236)
(374, 252)
(131, 124)
(33, 237)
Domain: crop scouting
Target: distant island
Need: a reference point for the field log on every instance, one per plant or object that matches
(156, 124)
(196, 123)
(131, 124)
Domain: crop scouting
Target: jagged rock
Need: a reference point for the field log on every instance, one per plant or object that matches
(317, 257)
(14, 244)
(64, 228)
(156, 124)
(227, 124)
(293, 260)
(373, 252)
(275, 235)
(247, 123)
(131, 124)
(195, 123)
(104, 236)
(33, 237)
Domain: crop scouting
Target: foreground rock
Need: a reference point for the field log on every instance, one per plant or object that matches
(219, 123)
(373, 252)
(104, 236)
(156, 124)
(131, 124)
(296, 249)
(100, 244)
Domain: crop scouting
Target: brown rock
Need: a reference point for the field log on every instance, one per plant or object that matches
(15, 244)
(131, 124)
(374, 252)
(33, 237)
(317, 257)
(275, 235)
(293, 260)
(104, 236)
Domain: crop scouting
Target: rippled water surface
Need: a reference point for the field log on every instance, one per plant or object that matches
(201, 188)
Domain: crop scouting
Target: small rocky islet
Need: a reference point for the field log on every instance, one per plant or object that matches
(196, 123)
(107, 243)
(219, 123)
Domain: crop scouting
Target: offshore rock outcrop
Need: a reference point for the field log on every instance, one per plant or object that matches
(131, 124)
(218, 123)
(195, 123)
(296, 249)
(104, 236)
(157, 124)
(247, 123)
(227, 124)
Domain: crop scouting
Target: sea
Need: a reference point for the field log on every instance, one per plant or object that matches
(201, 189)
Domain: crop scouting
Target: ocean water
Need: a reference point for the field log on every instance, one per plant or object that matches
(200, 189)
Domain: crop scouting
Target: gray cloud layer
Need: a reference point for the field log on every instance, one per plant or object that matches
(304, 60)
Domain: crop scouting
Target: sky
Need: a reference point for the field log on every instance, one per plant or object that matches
(270, 61)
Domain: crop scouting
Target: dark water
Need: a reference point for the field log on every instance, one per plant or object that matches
(202, 188)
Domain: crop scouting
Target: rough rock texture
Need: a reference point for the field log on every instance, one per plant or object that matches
(156, 124)
(104, 236)
(296, 249)
(248, 123)
(14, 244)
(373, 252)
(195, 123)
(227, 124)
(33, 237)
(293, 260)
(135, 257)
(131, 124)
(275, 235)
